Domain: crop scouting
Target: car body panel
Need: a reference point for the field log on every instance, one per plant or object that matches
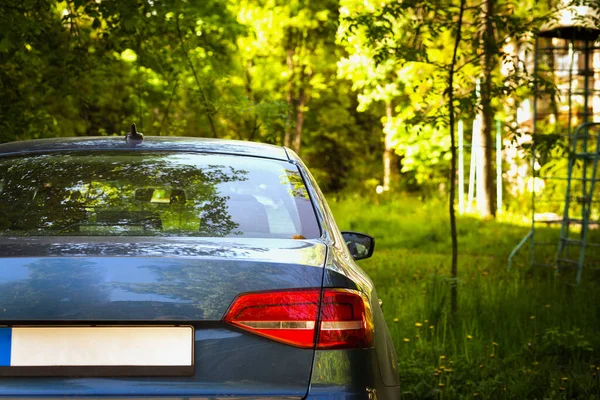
(193, 286)
(227, 363)
(336, 375)
(198, 286)
(301, 251)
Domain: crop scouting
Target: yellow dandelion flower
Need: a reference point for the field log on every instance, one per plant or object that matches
(495, 344)
(441, 385)
(532, 317)
(442, 357)
(430, 326)
(418, 324)
(406, 339)
(492, 355)
(426, 321)
(481, 365)
(469, 337)
(564, 378)
(395, 320)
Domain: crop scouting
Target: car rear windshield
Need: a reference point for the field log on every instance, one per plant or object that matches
(153, 194)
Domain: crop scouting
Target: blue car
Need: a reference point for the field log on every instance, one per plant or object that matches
(180, 268)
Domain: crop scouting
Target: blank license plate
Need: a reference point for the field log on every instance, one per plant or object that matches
(97, 351)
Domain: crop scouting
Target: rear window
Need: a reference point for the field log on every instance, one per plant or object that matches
(153, 194)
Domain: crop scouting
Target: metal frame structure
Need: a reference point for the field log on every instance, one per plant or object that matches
(565, 56)
(585, 149)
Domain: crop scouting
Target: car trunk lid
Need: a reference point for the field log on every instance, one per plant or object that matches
(139, 282)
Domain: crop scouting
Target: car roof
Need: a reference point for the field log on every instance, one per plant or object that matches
(150, 143)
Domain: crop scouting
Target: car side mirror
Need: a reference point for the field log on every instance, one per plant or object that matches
(361, 246)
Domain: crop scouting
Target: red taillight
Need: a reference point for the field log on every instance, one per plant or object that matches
(291, 317)
(288, 317)
(345, 320)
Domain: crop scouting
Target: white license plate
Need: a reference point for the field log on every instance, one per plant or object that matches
(97, 351)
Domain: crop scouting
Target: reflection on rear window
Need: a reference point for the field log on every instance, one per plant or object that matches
(153, 194)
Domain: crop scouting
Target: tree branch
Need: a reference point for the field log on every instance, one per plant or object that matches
(203, 99)
(166, 114)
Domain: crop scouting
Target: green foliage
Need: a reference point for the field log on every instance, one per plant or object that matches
(215, 68)
(84, 67)
(401, 52)
(517, 335)
(248, 69)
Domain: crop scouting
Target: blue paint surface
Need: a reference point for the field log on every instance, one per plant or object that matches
(5, 344)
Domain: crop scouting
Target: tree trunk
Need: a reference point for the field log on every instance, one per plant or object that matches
(486, 197)
(299, 116)
(451, 210)
(290, 98)
(390, 159)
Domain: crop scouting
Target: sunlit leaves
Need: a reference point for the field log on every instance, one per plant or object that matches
(400, 51)
(128, 55)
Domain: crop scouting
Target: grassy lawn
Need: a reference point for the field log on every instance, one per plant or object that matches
(519, 334)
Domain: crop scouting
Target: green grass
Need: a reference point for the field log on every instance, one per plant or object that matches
(519, 334)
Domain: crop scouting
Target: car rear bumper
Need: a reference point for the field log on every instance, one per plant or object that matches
(349, 374)
(392, 392)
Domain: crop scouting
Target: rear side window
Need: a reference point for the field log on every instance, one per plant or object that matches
(153, 194)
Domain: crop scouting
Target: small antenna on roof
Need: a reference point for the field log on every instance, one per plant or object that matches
(134, 134)
(134, 137)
